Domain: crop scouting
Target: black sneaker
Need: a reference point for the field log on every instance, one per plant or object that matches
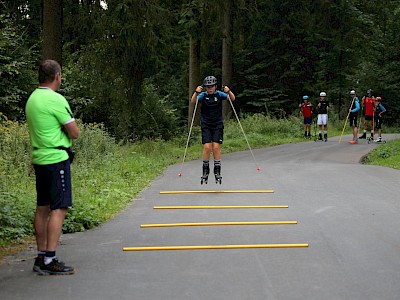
(364, 136)
(56, 267)
(39, 262)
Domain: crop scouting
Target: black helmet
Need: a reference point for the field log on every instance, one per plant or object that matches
(209, 80)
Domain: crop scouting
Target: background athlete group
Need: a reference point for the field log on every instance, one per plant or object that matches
(370, 105)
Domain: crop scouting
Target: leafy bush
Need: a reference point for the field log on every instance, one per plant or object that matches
(15, 218)
(17, 68)
(265, 125)
(14, 151)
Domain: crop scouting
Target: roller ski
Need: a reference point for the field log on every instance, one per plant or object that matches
(206, 171)
(378, 141)
(217, 174)
(370, 139)
(321, 139)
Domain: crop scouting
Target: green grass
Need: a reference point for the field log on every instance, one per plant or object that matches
(107, 176)
(387, 155)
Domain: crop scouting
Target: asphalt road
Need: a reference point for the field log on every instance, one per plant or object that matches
(347, 212)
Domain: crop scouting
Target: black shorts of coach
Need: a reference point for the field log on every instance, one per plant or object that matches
(53, 185)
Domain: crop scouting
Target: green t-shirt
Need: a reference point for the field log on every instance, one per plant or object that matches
(46, 113)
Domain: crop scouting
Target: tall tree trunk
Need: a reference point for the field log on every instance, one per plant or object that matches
(227, 64)
(194, 77)
(52, 30)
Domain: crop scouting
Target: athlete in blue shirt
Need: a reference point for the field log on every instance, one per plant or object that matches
(353, 108)
(212, 123)
(379, 110)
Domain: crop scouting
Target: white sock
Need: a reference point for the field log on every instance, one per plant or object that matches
(48, 260)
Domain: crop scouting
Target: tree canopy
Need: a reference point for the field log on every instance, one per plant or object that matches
(126, 62)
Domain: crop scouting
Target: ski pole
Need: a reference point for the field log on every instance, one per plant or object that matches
(359, 125)
(247, 141)
(187, 142)
(373, 126)
(345, 123)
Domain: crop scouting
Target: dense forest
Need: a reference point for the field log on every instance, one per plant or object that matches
(133, 64)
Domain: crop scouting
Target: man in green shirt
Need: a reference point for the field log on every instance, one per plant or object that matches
(51, 126)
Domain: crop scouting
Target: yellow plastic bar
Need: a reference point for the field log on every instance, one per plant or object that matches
(216, 191)
(217, 206)
(219, 224)
(153, 248)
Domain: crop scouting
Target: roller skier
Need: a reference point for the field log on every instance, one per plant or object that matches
(368, 105)
(379, 109)
(212, 124)
(306, 111)
(323, 109)
(353, 108)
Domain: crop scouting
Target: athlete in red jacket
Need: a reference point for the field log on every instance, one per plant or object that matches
(368, 105)
(306, 111)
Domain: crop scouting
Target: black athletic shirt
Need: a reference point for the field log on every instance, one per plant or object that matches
(211, 109)
(323, 108)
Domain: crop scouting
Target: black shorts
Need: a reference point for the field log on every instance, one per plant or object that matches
(353, 120)
(53, 185)
(368, 118)
(307, 121)
(211, 134)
